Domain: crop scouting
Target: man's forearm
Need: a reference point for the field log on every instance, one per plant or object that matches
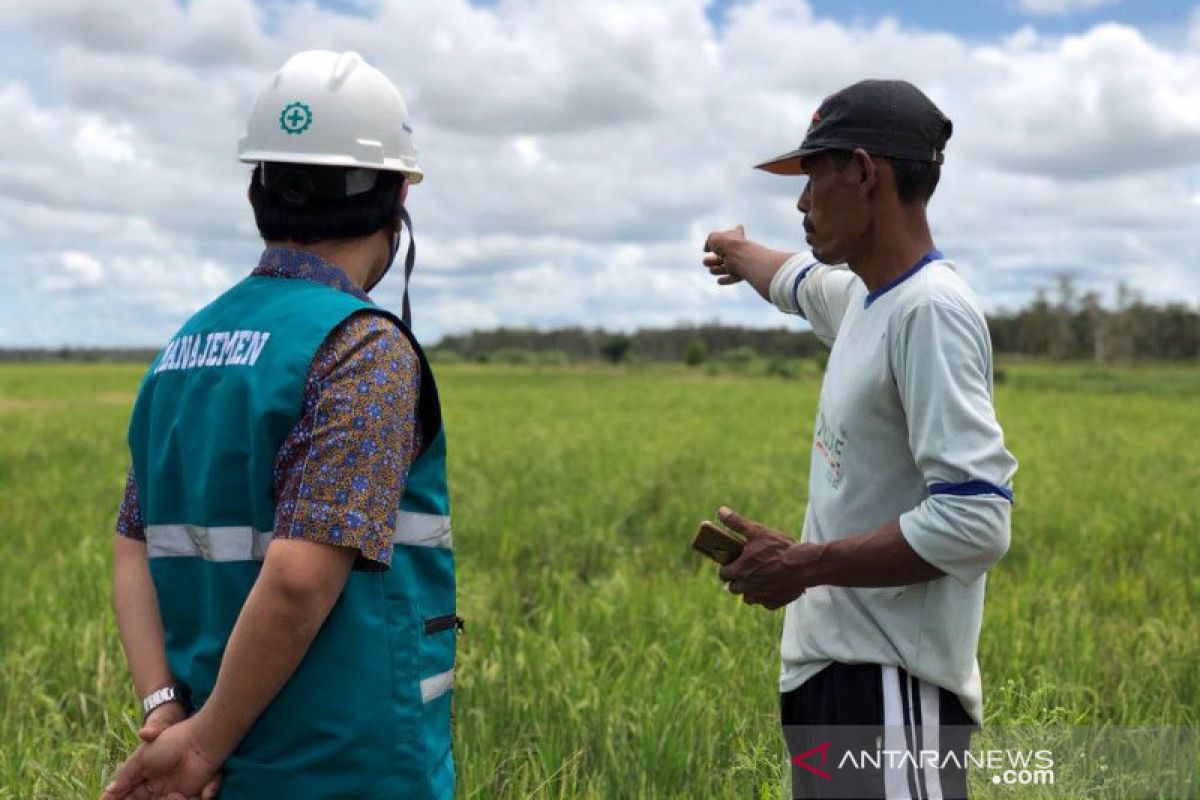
(135, 604)
(758, 265)
(264, 650)
(279, 621)
(881, 557)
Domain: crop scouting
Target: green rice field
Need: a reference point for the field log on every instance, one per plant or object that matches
(601, 658)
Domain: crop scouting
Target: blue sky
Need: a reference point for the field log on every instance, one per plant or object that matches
(986, 19)
(577, 153)
(974, 19)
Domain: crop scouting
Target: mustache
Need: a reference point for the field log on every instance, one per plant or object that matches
(808, 228)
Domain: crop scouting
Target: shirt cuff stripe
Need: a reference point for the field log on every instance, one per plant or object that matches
(971, 489)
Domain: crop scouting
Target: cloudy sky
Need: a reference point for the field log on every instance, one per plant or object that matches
(578, 151)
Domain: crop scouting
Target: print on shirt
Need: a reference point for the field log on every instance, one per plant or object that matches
(831, 444)
(217, 349)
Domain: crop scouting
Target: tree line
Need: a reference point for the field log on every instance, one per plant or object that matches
(1059, 323)
(1075, 326)
(695, 344)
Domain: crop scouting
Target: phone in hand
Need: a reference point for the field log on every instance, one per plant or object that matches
(720, 545)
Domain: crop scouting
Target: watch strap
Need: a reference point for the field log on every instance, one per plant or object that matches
(175, 693)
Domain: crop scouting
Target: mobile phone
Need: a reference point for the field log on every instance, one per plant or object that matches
(720, 545)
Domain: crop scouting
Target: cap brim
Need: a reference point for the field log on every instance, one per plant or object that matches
(788, 163)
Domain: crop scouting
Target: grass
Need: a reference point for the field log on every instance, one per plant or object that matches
(600, 658)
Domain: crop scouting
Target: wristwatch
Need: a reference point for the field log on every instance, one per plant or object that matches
(176, 693)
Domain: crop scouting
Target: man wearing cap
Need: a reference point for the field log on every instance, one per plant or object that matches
(910, 485)
(283, 578)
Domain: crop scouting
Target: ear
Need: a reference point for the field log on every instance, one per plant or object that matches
(866, 171)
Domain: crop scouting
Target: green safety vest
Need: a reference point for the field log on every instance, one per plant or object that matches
(367, 713)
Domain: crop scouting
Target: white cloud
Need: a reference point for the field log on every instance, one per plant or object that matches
(77, 271)
(576, 154)
(97, 140)
(1104, 103)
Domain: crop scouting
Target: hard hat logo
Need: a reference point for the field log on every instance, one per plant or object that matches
(295, 118)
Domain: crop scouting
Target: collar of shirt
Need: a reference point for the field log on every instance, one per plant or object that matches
(931, 256)
(289, 262)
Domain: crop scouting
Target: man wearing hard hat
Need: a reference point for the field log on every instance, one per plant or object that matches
(283, 577)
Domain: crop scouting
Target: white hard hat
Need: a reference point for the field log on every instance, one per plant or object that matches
(331, 109)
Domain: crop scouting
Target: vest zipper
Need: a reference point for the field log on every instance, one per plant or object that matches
(438, 624)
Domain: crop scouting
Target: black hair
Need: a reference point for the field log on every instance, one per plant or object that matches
(306, 203)
(915, 180)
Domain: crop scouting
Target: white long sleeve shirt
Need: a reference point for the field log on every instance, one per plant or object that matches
(905, 429)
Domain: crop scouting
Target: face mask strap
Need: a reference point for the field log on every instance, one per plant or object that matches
(410, 259)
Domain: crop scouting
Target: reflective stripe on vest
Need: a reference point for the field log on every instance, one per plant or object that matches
(435, 686)
(243, 543)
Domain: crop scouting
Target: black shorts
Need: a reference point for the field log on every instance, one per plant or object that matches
(871, 731)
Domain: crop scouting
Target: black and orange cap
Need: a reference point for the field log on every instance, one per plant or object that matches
(884, 117)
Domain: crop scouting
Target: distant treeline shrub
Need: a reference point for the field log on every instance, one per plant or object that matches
(85, 355)
(691, 344)
(1075, 326)
(1071, 326)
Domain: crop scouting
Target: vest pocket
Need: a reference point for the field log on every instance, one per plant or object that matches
(437, 690)
(404, 650)
(437, 655)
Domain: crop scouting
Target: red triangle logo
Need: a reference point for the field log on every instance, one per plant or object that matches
(801, 760)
